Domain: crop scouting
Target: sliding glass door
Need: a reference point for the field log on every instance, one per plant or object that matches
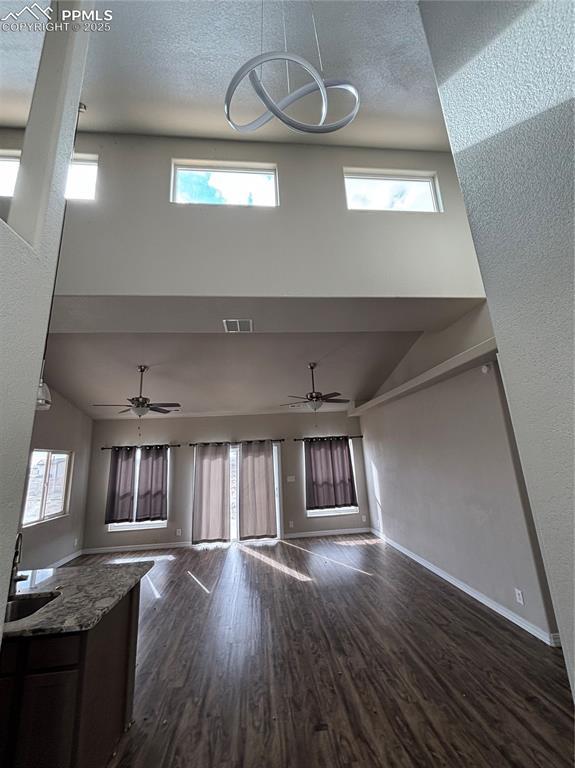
(236, 491)
(211, 513)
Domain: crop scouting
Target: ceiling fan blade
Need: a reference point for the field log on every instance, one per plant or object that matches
(125, 411)
(157, 410)
(330, 395)
(335, 400)
(298, 397)
(292, 405)
(108, 405)
(165, 405)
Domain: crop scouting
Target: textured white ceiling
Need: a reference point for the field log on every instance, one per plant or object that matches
(218, 373)
(164, 66)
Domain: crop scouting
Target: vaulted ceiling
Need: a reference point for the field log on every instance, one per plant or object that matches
(218, 373)
(164, 66)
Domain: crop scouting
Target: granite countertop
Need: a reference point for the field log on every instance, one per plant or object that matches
(87, 594)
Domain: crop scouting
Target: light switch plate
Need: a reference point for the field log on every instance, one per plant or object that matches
(291, 478)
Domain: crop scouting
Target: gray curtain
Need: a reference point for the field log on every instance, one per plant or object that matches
(211, 512)
(329, 474)
(257, 510)
(120, 499)
(153, 483)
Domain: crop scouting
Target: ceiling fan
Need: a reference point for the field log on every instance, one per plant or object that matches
(313, 399)
(140, 405)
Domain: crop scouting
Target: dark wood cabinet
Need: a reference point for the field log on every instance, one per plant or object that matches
(66, 699)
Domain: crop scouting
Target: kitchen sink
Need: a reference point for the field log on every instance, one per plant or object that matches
(21, 606)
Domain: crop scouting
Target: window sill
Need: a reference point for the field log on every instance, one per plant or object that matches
(332, 511)
(47, 519)
(143, 526)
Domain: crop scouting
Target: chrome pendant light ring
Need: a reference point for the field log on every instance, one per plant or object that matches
(297, 125)
(249, 67)
(274, 109)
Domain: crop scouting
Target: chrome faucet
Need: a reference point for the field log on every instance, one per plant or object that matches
(14, 578)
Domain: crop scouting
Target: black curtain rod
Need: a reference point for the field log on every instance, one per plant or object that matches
(329, 437)
(143, 445)
(238, 442)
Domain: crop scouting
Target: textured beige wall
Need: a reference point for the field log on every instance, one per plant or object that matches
(133, 241)
(183, 430)
(65, 428)
(442, 482)
(505, 77)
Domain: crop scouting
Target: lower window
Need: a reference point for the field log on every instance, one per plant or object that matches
(329, 477)
(332, 511)
(138, 488)
(47, 489)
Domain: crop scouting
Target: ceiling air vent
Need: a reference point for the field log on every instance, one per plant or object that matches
(238, 326)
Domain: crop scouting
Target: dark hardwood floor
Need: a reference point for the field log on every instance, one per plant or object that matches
(320, 653)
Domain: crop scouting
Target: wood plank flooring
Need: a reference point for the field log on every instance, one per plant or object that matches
(333, 652)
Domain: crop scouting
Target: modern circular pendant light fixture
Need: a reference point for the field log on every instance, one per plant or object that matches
(277, 109)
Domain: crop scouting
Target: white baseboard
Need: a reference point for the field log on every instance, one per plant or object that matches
(134, 547)
(175, 544)
(64, 560)
(333, 532)
(547, 637)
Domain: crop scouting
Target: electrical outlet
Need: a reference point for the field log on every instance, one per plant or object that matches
(178, 531)
(519, 597)
(75, 542)
(291, 478)
(363, 518)
(291, 523)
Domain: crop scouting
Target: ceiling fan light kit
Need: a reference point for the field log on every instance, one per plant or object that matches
(314, 399)
(277, 109)
(140, 405)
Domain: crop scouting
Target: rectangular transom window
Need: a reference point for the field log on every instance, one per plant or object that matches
(391, 191)
(48, 484)
(80, 185)
(204, 183)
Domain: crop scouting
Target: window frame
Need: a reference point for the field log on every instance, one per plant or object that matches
(78, 158)
(431, 177)
(332, 511)
(43, 518)
(143, 525)
(11, 155)
(85, 158)
(223, 166)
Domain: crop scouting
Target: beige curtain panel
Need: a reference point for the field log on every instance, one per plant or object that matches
(211, 512)
(257, 511)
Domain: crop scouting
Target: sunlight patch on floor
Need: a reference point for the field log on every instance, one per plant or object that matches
(325, 557)
(195, 578)
(274, 564)
(136, 559)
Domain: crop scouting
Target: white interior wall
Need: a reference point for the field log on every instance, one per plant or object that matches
(442, 483)
(505, 76)
(64, 428)
(133, 241)
(186, 430)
